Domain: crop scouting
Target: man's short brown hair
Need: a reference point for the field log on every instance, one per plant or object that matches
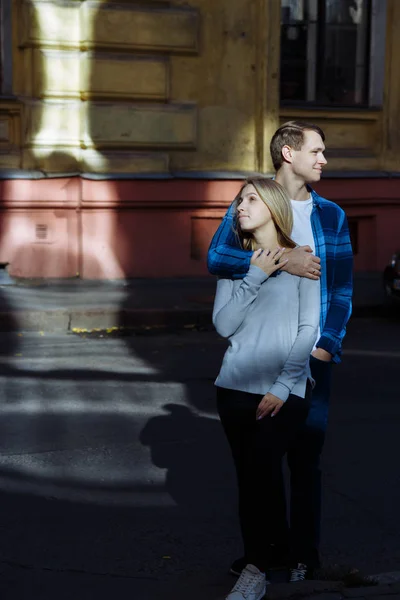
(290, 134)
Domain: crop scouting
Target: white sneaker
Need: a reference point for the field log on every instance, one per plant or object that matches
(251, 585)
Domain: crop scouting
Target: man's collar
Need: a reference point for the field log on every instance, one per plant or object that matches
(316, 198)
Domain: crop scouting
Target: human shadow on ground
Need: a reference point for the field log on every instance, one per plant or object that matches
(103, 476)
(193, 451)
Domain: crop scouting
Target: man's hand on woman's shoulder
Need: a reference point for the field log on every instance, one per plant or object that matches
(302, 262)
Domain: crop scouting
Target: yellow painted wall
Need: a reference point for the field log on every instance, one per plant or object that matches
(190, 85)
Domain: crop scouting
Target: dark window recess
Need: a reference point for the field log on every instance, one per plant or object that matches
(41, 232)
(325, 52)
(353, 229)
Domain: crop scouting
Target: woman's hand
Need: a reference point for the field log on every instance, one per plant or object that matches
(268, 260)
(269, 404)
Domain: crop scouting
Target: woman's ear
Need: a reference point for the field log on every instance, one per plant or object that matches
(287, 153)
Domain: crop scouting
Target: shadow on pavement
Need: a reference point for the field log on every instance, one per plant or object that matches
(193, 451)
(108, 483)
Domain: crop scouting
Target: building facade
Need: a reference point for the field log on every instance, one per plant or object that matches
(126, 128)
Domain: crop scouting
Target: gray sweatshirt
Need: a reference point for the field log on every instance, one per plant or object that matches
(272, 327)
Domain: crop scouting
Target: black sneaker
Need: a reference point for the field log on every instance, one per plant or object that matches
(300, 573)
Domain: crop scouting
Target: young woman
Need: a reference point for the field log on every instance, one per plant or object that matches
(271, 320)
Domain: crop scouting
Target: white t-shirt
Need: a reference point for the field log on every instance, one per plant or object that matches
(302, 231)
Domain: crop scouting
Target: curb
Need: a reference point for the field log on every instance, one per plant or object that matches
(67, 320)
(387, 578)
(101, 319)
(330, 590)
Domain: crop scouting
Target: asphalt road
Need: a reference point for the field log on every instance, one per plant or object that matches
(115, 477)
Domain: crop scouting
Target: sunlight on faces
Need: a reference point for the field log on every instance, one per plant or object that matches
(307, 163)
(253, 214)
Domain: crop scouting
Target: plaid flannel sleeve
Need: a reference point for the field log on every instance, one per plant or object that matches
(340, 305)
(225, 257)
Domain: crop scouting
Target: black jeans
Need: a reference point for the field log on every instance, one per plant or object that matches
(257, 449)
(305, 473)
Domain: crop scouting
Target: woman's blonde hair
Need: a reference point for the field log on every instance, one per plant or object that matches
(278, 203)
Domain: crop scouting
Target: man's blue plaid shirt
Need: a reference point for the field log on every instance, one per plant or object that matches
(332, 245)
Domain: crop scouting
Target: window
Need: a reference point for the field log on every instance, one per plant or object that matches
(353, 231)
(332, 52)
(5, 48)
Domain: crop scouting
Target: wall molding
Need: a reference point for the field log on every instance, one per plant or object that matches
(93, 25)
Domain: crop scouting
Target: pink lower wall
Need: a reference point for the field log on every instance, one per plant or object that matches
(70, 227)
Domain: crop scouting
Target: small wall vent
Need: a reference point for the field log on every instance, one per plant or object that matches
(42, 232)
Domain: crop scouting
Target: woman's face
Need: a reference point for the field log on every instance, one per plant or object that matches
(252, 212)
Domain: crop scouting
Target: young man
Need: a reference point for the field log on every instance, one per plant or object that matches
(321, 231)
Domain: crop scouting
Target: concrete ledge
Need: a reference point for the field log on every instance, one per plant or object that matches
(69, 320)
(47, 320)
(283, 591)
(330, 590)
(140, 318)
(372, 591)
(65, 305)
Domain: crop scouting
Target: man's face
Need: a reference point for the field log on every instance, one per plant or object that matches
(307, 162)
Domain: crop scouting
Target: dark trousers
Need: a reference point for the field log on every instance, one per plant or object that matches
(305, 473)
(257, 449)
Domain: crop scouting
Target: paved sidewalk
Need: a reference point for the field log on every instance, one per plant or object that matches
(98, 500)
(388, 585)
(306, 590)
(19, 585)
(65, 305)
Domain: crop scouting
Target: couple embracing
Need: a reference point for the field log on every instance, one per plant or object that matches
(284, 261)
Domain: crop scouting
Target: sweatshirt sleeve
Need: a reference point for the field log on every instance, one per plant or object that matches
(231, 302)
(309, 313)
